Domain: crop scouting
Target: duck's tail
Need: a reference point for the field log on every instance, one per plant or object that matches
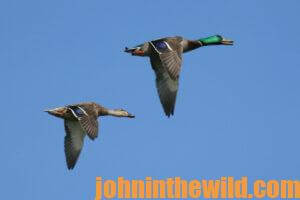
(58, 112)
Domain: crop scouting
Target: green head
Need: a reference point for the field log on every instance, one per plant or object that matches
(215, 40)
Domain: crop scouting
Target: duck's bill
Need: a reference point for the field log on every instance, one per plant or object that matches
(227, 42)
(130, 115)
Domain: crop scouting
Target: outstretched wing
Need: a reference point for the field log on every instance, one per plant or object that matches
(166, 62)
(169, 51)
(87, 119)
(73, 142)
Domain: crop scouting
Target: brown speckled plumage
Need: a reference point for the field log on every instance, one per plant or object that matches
(81, 119)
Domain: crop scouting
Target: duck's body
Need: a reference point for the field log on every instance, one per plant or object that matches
(166, 57)
(79, 120)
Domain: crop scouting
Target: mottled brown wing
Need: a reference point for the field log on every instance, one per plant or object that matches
(90, 126)
(87, 119)
(169, 51)
(73, 142)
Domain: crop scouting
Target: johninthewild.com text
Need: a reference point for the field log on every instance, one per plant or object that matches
(178, 188)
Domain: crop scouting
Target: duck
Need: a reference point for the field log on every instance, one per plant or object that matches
(166, 58)
(80, 120)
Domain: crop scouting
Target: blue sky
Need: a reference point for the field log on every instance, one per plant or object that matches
(237, 111)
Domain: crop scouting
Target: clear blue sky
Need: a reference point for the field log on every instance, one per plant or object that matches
(237, 111)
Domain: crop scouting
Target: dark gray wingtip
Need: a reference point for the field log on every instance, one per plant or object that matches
(70, 167)
(169, 114)
(169, 107)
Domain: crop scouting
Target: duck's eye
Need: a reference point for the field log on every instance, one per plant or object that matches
(160, 45)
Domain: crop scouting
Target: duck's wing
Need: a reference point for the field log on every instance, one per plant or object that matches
(169, 51)
(87, 119)
(166, 62)
(73, 141)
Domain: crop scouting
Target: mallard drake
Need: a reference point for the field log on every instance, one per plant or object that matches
(81, 119)
(165, 58)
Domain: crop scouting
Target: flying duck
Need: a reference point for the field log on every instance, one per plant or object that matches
(81, 119)
(166, 58)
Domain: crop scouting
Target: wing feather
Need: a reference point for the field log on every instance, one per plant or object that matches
(166, 62)
(166, 87)
(87, 119)
(73, 142)
(169, 54)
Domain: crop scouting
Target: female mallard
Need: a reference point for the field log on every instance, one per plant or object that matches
(165, 57)
(79, 120)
